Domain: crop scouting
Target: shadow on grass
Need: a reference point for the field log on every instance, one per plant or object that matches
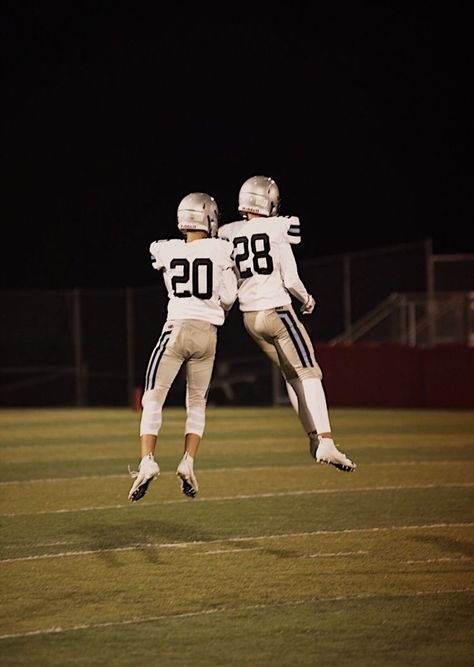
(142, 534)
(446, 544)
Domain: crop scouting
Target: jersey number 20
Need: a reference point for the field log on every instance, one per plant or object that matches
(200, 279)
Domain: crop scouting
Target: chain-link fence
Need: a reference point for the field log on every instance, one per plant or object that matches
(91, 347)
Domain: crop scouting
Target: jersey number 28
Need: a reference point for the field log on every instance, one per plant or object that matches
(259, 246)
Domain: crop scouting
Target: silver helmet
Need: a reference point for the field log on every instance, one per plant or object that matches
(259, 195)
(198, 212)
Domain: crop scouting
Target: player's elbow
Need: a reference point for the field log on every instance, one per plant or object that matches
(293, 285)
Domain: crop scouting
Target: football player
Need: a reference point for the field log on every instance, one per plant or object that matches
(267, 280)
(199, 275)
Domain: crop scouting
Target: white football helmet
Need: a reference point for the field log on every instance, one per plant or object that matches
(198, 211)
(259, 195)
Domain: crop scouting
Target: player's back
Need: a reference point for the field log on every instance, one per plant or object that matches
(193, 275)
(258, 258)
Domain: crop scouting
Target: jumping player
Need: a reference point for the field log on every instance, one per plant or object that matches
(201, 282)
(267, 280)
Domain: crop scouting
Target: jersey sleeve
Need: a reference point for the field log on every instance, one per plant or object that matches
(290, 276)
(155, 255)
(228, 288)
(223, 232)
(226, 254)
(293, 231)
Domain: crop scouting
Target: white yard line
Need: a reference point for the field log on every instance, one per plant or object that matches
(215, 552)
(219, 471)
(227, 610)
(61, 543)
(238, 538)
(446, 559)
(339, 553)
(249, 496)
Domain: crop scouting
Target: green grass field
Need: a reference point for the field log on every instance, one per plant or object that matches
(278, 561)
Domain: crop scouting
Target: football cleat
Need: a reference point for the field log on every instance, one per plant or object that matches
(325, 451)
(148, 470)
(185, 472)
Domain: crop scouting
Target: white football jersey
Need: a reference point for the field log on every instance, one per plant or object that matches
(264, 260)
(199, 277)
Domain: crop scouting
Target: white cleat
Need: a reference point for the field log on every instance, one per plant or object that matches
(325, 451)
(185, 472)
(148, 470)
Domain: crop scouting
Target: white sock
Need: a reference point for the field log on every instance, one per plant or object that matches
(312, 407)
(292, 396)
(188, 458)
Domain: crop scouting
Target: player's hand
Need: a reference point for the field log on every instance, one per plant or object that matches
(308, 307)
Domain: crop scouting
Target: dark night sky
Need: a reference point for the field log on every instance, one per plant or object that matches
(362, 113)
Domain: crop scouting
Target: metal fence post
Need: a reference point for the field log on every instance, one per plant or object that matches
(78, 352)
(346, 277)
(403, 312)
(430, 290)
(412, 324)
(469, 319)
(130, 319)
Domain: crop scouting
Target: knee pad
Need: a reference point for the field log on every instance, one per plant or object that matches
(196, 419)
(195, 413)
(312, 373)
(152, 404)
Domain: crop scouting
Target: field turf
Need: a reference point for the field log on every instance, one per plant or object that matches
(279, 561)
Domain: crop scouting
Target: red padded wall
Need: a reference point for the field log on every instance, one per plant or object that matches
(385, 375)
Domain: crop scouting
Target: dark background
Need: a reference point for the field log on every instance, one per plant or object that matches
(361, 111)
